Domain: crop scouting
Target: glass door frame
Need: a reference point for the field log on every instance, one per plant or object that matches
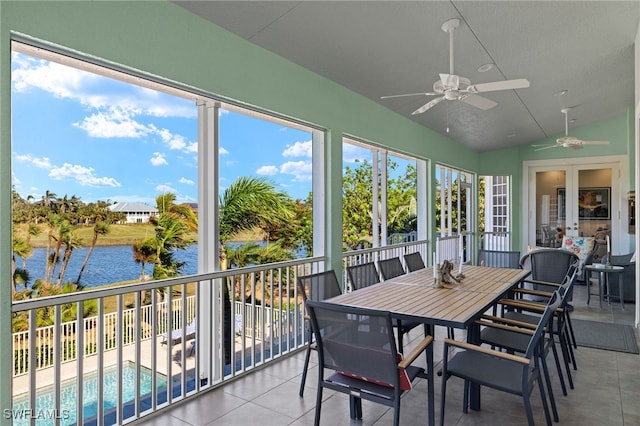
(619, 214)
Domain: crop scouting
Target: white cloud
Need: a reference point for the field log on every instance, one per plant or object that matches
(351, 153)
(186, 181)
(115, 123)
(298, 149)
(41, 163)
(88, 88)
(267, 170)
(165, 188)
(222, 151)
(301, 170)
(83, 175)
(158, 159)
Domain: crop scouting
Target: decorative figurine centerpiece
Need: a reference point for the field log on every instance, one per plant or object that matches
(443, 274)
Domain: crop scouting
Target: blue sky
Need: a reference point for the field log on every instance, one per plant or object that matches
(78, 133)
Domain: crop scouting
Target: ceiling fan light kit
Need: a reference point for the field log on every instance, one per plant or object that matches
(452, 87)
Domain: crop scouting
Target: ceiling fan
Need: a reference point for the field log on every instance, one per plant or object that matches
(452, 87)
(567, 141)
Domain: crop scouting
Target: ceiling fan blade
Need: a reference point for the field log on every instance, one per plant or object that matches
(595, 142)
(409, 94)
(547, 147)
(479, 102)
(520, 83)
(428, 105)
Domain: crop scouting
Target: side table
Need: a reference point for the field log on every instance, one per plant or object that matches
(604, 272)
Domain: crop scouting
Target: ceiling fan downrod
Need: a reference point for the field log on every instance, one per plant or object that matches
(448, 27)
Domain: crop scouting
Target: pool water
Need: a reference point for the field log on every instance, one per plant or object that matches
(44, 412)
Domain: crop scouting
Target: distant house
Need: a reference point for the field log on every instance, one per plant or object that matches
(135, 212)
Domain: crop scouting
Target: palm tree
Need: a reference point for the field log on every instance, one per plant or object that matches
(53, 221)
(32, 231)
(144, 252)
(49, 199)
(100, 228)
(71, 242)
(22, 249)
(62, 234)
(248, 203)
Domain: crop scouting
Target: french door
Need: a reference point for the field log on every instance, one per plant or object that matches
(581, 199)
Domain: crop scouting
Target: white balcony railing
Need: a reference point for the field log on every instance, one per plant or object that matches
(57, 369)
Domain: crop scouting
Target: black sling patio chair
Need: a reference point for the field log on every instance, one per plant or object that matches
(367, 274)
(499, 259)
(319, 286)
(414, 261)
(529, 312)
(390, 268)
(515, 374)
(359, 346)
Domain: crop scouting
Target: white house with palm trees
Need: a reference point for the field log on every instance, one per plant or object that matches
(135, 212)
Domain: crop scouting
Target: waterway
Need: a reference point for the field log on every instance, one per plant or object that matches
(107, 264)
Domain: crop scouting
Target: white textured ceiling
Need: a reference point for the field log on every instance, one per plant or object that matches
(378, 48)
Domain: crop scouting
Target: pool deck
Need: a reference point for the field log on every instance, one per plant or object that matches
(165, 359)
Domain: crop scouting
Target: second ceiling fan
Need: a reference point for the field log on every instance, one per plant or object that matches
(567, 141)
(452, 87)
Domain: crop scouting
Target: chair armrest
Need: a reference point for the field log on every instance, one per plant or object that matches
(470, 347)
(521, 304)
(415, 352)
(505, 327)
(509, 321)
(526, 306)
(541, 282)
(541, 293)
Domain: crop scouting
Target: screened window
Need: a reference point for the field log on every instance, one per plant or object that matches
(380, 196)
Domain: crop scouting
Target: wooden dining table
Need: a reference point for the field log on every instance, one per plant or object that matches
(413, 297)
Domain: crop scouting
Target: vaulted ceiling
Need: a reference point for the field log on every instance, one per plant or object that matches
(378, 48)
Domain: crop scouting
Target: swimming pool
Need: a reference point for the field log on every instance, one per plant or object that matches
(68, 396)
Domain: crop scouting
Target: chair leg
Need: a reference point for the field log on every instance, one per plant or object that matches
(556, 358)
(543, 397)
(547, 379)
(564, 344)
(443, 394)
(396, 414)
(316, 420)
(355, 407)
(573, 336)
(528, 410)
(465, 398)
(304, 370)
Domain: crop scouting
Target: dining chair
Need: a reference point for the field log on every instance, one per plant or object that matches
(499, 259)
(390, 268)
(319, 286)
(515, 374)
(347, 336)
(414, 261)
(495, 334)
(548, 269)
(527, 312)
(366, 274)
(363, 275)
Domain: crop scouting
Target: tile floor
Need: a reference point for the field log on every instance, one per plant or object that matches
(607, 392)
